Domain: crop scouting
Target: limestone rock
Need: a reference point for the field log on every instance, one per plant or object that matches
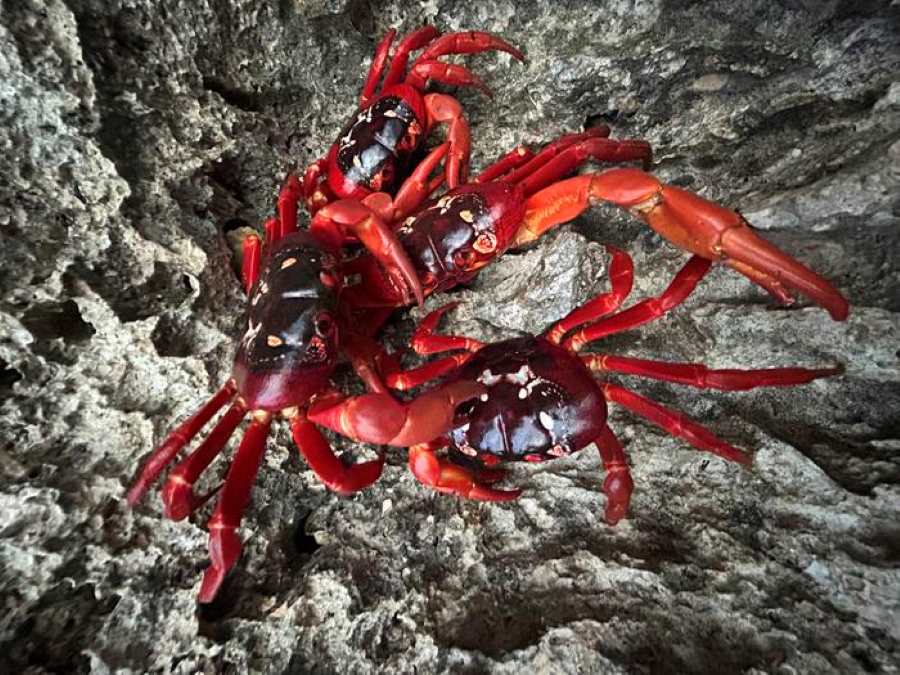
(135, 134)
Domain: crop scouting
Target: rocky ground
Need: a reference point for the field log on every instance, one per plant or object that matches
(134, 133)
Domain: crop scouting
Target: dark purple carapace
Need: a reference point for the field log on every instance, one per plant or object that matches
(290, 344)
(374, 150)
(449, 239)
(541, 402)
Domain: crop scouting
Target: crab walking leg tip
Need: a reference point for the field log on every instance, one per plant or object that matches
(224, 552)
(212, 582)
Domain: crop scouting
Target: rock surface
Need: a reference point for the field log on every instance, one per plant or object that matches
(134, 133)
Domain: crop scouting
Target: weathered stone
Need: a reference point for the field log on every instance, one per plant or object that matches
(134, 134)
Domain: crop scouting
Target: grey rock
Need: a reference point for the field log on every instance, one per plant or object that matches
(134, 133)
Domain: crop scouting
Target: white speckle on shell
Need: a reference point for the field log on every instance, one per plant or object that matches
(546, 420)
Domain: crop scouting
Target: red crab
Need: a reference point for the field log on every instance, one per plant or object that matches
(520, 197)
(542, 399)
(375, 150)
(284, 361)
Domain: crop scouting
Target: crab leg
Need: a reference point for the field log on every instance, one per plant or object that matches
(288, 198)
(368, 358)
(252, 247)
(511, 160)
(698, 375)
(618, 485)
(178, 497)
(469, 42)
(381, 419)
(403, 380)
(445, 73)
(424, 341)
(687, 220)
(329, 468)
(272, 228)
(334, 222)
(417, 187)
(313, 186)
(415, 40)
(443, 109)
(681, 287)
(597, 149)
(553, 149)
(176, 440)
(224, 543)
(676, 423)
(444, 476)
(377, 67)
(621, 278)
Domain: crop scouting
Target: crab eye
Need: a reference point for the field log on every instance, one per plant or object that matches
(324, 325)
(485, 242)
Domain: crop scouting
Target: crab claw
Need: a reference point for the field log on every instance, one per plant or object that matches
(714, 232)
(688, 221)
(338, 222)
(444, 476)
(381, 419)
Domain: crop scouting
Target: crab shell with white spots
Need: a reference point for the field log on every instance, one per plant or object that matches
(541, 403)
(374, 151)
(290, 344)
(449, 239)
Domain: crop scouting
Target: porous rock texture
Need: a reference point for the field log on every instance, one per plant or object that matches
(134, 133)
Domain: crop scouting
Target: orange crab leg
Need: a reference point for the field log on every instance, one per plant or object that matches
(688, 221)
(647, 310)
(424, 341)
(445, 73)
(417, 187)
(597, 149)
(288, 198)
(551, 150)
(511, 160)
(469, 42)
(699, 375)
(402, 380)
